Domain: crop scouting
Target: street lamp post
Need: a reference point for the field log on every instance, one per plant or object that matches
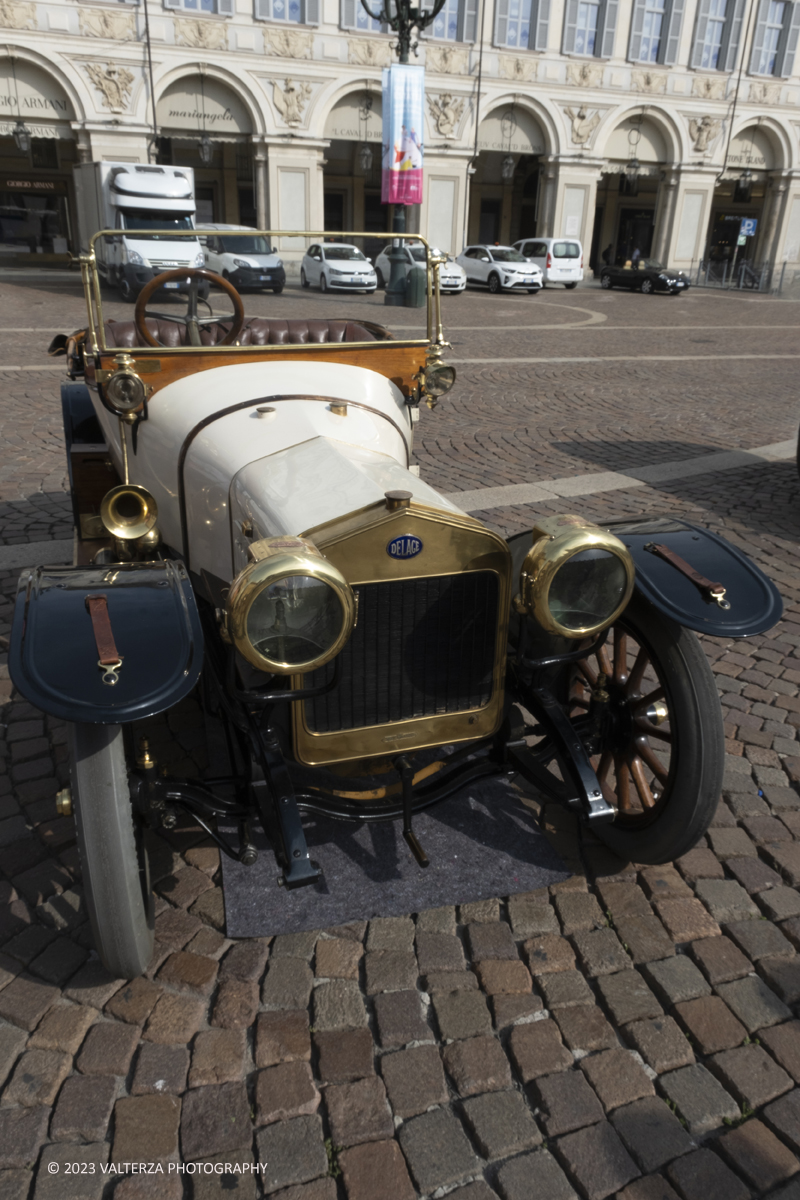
(403, 18)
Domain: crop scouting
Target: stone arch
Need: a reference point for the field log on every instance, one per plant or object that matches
(536, 131)
(762, 144)
(662, 140)
(232, 111)
(356, 115)
(50, 104)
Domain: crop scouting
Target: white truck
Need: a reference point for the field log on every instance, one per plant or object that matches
(136, 198)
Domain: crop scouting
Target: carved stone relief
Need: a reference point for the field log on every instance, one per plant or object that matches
(765, 93)
(17, 14)
(291, 99)
(584, 74)
(114, 84)
(703, 131)
(450, 60)
(201, 35)
(288, 43)
(369, 52)
(105, 23)
(708, 87)
(518, 67)
(583, 125)
(446, 113)
(652, 82)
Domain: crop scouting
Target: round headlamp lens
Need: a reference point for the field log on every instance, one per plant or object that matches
(125, 391)
(439, 379)
(587, 589)
(295, 620)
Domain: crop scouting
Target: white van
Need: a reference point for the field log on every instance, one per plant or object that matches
(560, 259)
(246, 259)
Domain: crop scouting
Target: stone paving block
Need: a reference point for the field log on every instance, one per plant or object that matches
(59, 961)
(337, 958)
(391, 933)
(477, 911)
(461, 1014)
(214, 1120)
(726, 900)
(477, 1190)
(601, 952)
(134, 1002)
(294, 1151)
(753, 1003)
(108, 1049)
(501, 1124)
(146, 1129)
(437, 1150)
(565, 989)
(317, 1189)
(686, 920)
(400, 1019)
(50, 1184)
(549, 952)
(390, 971)
(22, 1132)
(644, 938)
(376, 1169)
(783, 1042)
(12, 1041)
(782, 976)
(161, 1069)
(65, 911)
(282, 1037)
(780, 903)
(439, 952)
(499, 977)
(702, 1175)
(720, 960)
(792, 930)
(759, 939)
(663, 880)
(781, 799)
(15, 1185)
(219, 1187)
(287, 984)
(217, 1057)
(567, 1103)
(508, 1010)
(535, 1175)
(437, 920)
(37, 1077)
(675, 979)
(25, 1000)
(622, 899)
(450, 981)
(598, 1160)
(754, 1152)
(660, 1043)
(477, 1065)
(84, 1109)
(491, 941)
(358, 1112)
(414, 1080)
(751, 1075)
(294, 945)
(746, 804)
(651, 1132)
(530, 917)
(700, 1099)
(753, 874)
(577, 911)
(174, 928)
(285, 1091)
(710, 1024)
(628, 997)
(700, 863)
(764, 829)
(246, 960)
(785, 858)
(731, 843)
(235, 1005)
(338, 1005)
(585, 1028)
(783, 1117)
(650, 1187)
(345, 1055)
(537, 1049)
(174, 1020)
(617, 1077)
(28, 944)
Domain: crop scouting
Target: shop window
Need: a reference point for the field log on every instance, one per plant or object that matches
(457, 22)
(44, 153)
(353, 15)
(164, 152)
(590, 27)
(656, 31)
(522, 24)
(33, 223)
(775, 40)
(294, 12)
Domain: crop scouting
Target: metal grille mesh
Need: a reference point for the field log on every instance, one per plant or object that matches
(421, 647)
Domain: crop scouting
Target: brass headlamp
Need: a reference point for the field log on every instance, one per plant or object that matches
(290, 610)
(576, 579)
(125, 391)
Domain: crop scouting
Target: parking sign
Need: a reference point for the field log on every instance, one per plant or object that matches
(748, 226)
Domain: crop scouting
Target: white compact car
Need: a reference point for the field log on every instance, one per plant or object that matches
(500, 268)
(559, 259)
(452, 277)
(243, 257)
(331, 265)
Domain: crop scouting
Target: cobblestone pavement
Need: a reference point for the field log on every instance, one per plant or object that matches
(631, 1033)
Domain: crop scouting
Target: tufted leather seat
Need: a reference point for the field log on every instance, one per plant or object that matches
(257, 331)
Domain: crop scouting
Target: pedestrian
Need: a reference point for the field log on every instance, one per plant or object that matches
(606, 255)
(637, 254)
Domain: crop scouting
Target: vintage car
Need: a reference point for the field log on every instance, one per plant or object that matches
(247, 525)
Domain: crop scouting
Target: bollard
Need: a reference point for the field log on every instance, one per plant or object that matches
(416, 288)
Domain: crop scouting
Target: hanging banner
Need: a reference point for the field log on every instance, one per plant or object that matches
(403, 105)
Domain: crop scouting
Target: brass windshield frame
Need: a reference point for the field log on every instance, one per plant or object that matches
(90, 277)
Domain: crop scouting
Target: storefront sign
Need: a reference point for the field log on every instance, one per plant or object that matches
(56, 186)
(751, 148)
(510, 131)
(403, 101)
(32, 94)
(355, 118)
(196, 106)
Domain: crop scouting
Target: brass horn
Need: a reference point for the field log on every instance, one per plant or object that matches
(128, 511)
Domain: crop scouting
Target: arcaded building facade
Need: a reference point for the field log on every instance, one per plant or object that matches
(649, 124)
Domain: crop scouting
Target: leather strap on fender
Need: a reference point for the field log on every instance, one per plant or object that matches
(713, 591)
(109, 657)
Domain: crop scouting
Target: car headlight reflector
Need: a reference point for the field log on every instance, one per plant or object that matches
(199, 259)
(289, 610)
(136, 259)
(241, 262)
(125, 391)
(576, 578)
(438, 378)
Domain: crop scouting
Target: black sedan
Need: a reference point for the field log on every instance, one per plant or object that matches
(647, 275)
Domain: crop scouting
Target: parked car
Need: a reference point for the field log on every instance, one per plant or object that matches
(244, 257)
(332, 265)
(559, 259)
(263, 543)
(500, 268)
(647, 275)
(452, 277)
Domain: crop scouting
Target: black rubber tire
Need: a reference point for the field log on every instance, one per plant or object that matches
(647, 287)
(605, 282)
(534, 291)
(570, 286)
(494, 283)
(277, 291)
(323, 283)
(126, 292)
(225, 275)
(370, 291)
(113, 859)
(690, 798)
(303, 281)
(381, 280)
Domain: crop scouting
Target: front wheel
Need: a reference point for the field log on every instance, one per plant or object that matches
(127, 291)
(323, 283)
(646, 287)
(494, 283)
(605, 282)
(570, 286)
(112, 853)
(277, 290)
(303, 281)
(661, 755)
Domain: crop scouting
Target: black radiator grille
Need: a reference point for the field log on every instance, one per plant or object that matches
(421, 647)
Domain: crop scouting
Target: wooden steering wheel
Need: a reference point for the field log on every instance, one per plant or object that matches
(191, 320)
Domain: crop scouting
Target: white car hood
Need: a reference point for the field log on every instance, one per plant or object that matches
(182, 252)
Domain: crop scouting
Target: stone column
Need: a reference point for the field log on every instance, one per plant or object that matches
(668, 193)
(547, 197)
(260, 159)
(767, 242)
